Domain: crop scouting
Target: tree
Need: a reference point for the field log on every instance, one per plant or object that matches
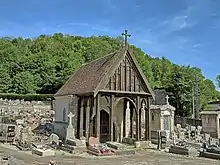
(43, 64)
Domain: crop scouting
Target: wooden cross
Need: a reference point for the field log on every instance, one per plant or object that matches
(126, 35)
(71, 115)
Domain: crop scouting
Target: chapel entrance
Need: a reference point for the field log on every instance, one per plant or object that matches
(104, 126)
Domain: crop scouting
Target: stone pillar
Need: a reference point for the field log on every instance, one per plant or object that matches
(127, 120)
(81, 118)
(73, 107)
(137, 118)
(87, 118)
(172, 121)
(161, 120)
(98, 116)
(111, 118)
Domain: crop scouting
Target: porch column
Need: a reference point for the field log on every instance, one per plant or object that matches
(92, 124)
(81, 118)
(127, 119)
(148, 124)
(146, 121)
(98, 116)
(87, 118)
(132, 121)
(140, 115)
(137, 118)
(111, 118)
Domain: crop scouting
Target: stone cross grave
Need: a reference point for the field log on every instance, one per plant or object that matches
(71, 115)
(70, 129)
(167, 100)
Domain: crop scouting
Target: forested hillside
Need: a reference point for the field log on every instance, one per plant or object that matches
(43, 64)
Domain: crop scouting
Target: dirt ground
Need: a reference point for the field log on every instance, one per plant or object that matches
(149, 157)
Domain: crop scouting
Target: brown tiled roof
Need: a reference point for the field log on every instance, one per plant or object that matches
(87, 78)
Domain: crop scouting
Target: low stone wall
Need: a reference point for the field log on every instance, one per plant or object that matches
(183, 121)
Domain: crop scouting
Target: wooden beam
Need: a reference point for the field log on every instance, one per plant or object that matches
(125, 76)
(137, 118)
(124, 119)
(98, 116)
(140, 113)
(126, 92)
(88, 103)
(147, 121)
(149, 117)
(111, 132)
(132, 110)
(81, 117)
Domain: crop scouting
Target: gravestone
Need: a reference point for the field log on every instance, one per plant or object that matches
(54, 138)
(43, 152)
(174, 138)
(206, 137)
(93, 141)
(70, 128)
(178, 126)
(116, 145)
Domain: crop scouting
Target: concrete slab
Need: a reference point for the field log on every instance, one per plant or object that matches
(42, 152)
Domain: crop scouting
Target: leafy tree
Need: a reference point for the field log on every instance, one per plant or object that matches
(43, 64)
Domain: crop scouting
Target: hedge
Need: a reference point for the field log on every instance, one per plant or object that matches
(27, 97)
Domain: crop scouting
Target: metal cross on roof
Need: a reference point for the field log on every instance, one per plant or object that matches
(126, 35)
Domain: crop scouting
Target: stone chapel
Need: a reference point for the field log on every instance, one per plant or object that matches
(109, 99)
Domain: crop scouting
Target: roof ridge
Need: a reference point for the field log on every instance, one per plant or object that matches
(99, 58)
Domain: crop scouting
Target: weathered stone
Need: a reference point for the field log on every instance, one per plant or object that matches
(74, 142)
(145, 144)
(192, 128)
(215, 150)
(190, 151)
(137, 144)
(209, 155)
(128, 140)
(42, 152)
(54, 138)
(124, 152)
(206, 137)
(116, 145)
(194, 145)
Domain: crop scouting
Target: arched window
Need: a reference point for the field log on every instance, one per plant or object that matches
(64, 114)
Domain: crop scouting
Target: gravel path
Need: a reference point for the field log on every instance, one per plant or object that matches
(148, 157)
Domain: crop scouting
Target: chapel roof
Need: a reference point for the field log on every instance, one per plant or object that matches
(89, 76)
